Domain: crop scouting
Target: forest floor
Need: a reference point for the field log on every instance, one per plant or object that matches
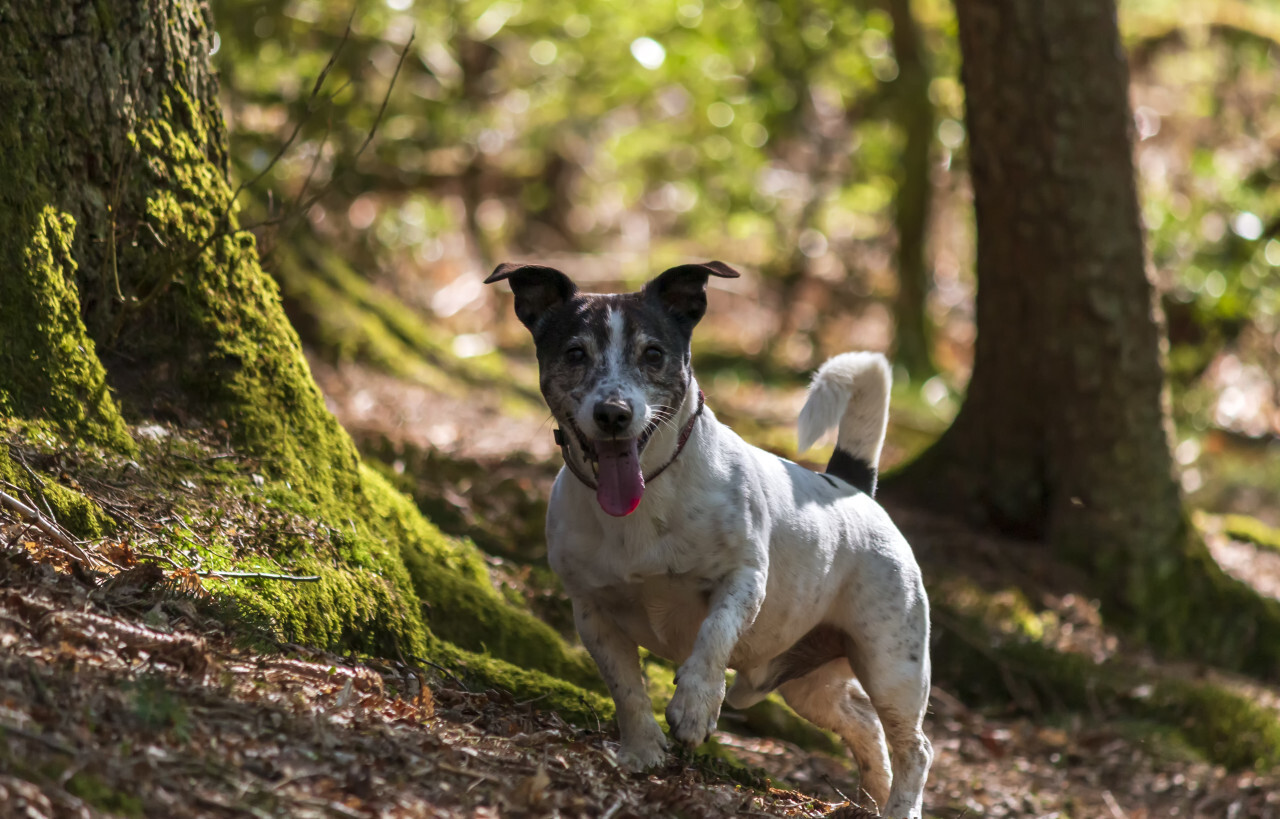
(127, 692)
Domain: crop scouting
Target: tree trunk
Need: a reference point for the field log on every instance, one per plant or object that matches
(1065, 430)
(912, 331)
(119, 247)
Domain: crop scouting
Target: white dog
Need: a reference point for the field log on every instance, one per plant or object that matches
(672, 533)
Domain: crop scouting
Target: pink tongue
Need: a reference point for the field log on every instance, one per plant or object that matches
(620, 483)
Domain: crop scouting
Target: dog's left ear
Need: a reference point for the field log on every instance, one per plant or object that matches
(682, 291)
(538, 288)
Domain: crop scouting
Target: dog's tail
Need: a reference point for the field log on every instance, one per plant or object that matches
(851, 390)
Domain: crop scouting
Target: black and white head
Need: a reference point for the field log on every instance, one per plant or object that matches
(613, 368)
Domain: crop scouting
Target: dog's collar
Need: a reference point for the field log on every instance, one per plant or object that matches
(562, 441)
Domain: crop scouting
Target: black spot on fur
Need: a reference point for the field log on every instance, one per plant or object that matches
(853, 470)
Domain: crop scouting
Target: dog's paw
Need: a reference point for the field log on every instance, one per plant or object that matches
(649, 749)
(694, 709)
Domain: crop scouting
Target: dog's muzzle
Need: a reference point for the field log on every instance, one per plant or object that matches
(617, 477)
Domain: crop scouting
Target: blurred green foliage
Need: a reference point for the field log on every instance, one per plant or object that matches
(615, 138)
(637, 135)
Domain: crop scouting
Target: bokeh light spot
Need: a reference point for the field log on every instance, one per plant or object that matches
(1247, 225)
(755, 135)
(543, 52)
(951, 133)
(720, 114)
(648, 52)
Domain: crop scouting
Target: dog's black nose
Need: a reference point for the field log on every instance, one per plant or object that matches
(612, 416)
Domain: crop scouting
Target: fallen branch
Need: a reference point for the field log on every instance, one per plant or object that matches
(296, 578)
(49, 527)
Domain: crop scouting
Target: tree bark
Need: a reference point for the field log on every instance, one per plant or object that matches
(912, 330)
(1064, 433)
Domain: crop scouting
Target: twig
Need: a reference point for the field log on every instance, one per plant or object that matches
(148, 556)
(48, 742)
(612, 809)
(535, 699)
(592, 709)
(315, 92)
(386, 97)
(49, 527)
(442, 670)
(833, 787)
(315, 163)
(302, 206)
(21, 534)
(296, 578)
(454, 769)
(219, 456)
(1113, 806)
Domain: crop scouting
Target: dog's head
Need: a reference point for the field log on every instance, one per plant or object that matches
(613, 368)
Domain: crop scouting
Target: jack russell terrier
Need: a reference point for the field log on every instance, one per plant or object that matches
(671, 532)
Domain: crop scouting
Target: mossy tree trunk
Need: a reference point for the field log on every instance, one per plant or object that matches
(1065, 430)
(122, 270)
(116, 201)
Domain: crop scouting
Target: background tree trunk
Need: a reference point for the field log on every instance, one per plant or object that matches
(912, 199)
(1064, 433)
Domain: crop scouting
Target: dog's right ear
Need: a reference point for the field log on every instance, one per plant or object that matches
(682, 290)
(538, 288)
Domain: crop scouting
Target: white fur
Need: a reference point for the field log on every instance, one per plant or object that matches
(852, 390)
(732, 557)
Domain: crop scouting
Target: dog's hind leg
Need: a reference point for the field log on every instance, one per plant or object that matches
(891, 660)
(831, 698)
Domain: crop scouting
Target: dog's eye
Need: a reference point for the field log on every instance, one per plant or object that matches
(575, 355)
(653, 356)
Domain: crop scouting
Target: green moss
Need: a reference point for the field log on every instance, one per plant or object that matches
(75, 512)
(233, 354)
(102, 796)
(461, 605)
(1251, 530)
(717, 761)
(582, 707)
(1184, 605)
(771, 717)
(384, 565)
(1229, 728)
(364, 601)
(48, 368)
(346, 318)
(985, 665)
(507, 509)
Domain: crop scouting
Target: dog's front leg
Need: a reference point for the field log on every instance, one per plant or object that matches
(695, 707)
(618, 658)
